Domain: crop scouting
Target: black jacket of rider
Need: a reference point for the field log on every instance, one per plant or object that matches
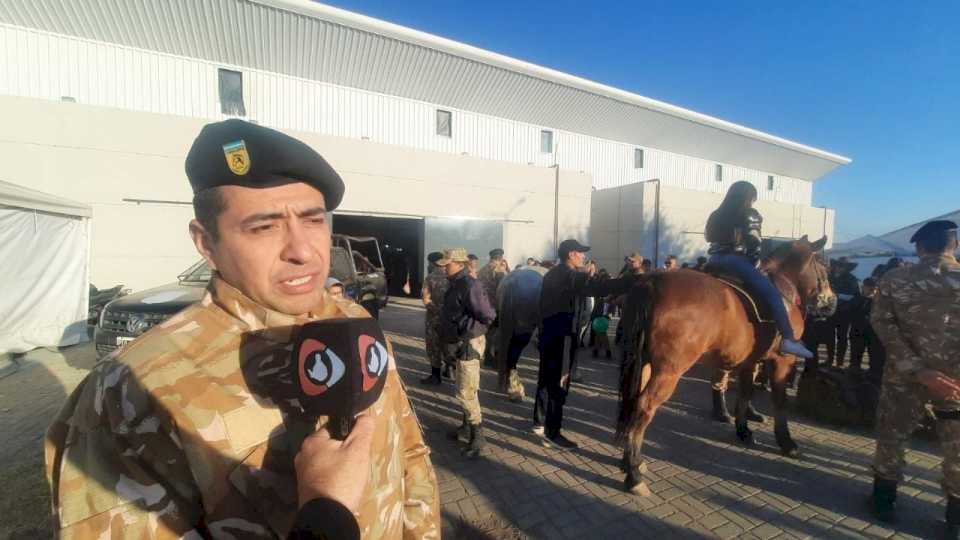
(735, 234)
(562, 286)
(466, 312)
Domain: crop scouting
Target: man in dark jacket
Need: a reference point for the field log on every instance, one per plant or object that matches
(847, 287)
(562, 285)
(466, 315)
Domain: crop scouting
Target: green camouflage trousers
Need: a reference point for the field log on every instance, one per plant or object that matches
(431, 338)
(898, 414)
(468, 355)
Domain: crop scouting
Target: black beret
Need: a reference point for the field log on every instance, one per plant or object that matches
(496, 253)
(239, 153)
(435, 256)
(933, 231)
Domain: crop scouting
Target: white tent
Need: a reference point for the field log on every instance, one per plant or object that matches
(44, 269)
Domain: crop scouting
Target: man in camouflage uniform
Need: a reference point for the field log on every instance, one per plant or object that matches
(916, 315)
(175, 437)
(434, 288)
(490, 277)
(464, 320)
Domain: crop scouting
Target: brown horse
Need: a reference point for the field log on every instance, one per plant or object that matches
(684, 317)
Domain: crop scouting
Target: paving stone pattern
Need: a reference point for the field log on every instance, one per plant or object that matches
(705, 483)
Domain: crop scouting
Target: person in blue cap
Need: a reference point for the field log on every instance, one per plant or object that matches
(916, 314)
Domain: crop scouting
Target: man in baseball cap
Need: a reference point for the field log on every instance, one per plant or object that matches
(466, 316)
(562, 286)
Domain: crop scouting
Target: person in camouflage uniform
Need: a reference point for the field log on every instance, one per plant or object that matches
(434, 288)
(916, 315)
(490, 277)
(464, 320)
(170, 437)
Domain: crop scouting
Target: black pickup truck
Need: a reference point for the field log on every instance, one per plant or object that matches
(355, 261)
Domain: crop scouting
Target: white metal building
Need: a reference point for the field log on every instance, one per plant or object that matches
(436, 139)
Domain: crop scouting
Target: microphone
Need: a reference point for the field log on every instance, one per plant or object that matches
(335, 368)
(341, 367)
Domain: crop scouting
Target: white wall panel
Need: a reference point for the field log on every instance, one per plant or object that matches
(43, 65)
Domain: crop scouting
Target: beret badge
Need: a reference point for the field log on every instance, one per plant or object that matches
(237, 157)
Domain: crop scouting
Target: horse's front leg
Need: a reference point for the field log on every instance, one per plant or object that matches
(744, 395)
(782, 368)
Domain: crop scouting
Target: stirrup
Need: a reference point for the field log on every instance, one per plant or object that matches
(796, 348)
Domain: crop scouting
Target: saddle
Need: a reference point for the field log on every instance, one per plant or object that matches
(758, 311)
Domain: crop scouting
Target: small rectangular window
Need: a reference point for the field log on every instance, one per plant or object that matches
(444, 123)
(546, 141)
(638, 158)
(718, 173)
(231, 93)
(770, 183)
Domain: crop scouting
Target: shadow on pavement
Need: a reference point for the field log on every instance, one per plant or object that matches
(823, 491)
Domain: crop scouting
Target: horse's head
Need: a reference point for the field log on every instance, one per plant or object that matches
(798, 261)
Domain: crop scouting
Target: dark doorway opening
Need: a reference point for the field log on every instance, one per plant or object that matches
(401, 245)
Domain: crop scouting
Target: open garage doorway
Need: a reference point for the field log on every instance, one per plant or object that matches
(401, 245)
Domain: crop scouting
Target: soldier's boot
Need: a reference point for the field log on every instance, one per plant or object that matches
(953, 518)
(433, 377)
(720, 412)
(447, 372)
(883, 499)
(753, 415)
(476, 443)
(461, 433)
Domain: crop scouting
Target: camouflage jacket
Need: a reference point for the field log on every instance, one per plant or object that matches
(167, 439)
(916, 315)
(434, 289)
(491, 277)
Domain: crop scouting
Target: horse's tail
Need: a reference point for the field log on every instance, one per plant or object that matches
(636, 325)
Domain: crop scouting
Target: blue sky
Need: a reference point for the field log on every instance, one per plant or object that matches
(875, 81)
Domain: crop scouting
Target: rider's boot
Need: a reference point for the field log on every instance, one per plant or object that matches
(720, 413)
(794, 347)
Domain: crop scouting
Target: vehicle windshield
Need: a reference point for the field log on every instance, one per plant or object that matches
(198, 273)
(340, 265)
(369, 250)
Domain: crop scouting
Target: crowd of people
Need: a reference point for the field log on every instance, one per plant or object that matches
(577, 299)
(192, 430)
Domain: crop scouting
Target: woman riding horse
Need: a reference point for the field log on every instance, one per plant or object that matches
(733, 231)
(676, 319)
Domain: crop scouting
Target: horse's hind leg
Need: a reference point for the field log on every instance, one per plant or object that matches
(657, 391)
(782, 368)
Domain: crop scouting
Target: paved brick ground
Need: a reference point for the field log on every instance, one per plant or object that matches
(705, 484)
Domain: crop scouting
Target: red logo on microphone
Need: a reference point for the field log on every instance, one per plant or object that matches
(373, 360)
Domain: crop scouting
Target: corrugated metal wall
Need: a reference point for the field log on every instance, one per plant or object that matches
(50, 66)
